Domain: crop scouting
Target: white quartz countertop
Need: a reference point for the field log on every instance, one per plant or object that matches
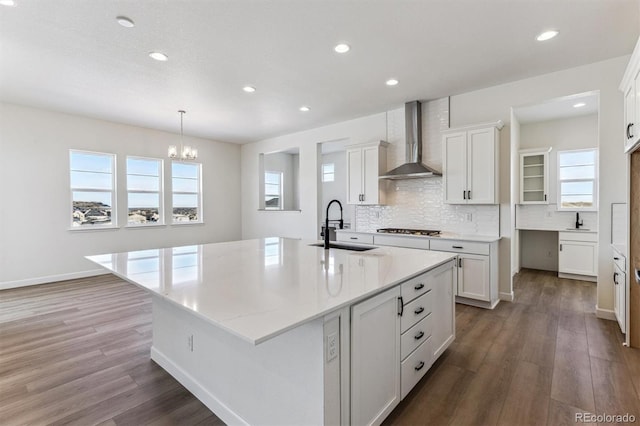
(258, 289)
(442, 236)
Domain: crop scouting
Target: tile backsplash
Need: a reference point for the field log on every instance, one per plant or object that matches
(546, 216)
(418, 203)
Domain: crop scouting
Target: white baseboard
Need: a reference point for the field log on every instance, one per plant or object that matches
(578, 277)
(607, 314)
(207, 398)
(51, 278)
(506, 296)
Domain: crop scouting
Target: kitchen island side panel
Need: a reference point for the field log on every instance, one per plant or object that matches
(278, 382)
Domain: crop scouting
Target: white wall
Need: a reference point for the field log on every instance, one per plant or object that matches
(495, 102)
(306, 222)
(484, 105)
(36, 244)
(336, 190)
(564, 134)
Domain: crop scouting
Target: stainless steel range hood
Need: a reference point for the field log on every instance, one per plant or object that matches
(413, 167)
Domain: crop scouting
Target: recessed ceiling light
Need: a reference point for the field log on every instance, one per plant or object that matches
(125, 22)
(579, 105)
(342, 48)
(159, 56)
(7, 3)
(392, 82)
(547, 35)
(304, 108)
(249, 89)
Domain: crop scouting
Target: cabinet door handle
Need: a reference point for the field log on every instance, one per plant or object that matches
(468, 195)
(400, 306)
(629, 126)
(615, 278)
(418, 287)
(560, 247)
(419, 335)
(362, 197)
(545, 197)
(419, 366)
(459, 262)
(419, 310)
(464, 195)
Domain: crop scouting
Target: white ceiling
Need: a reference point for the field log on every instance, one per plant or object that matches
(559, 108)
(72, 56)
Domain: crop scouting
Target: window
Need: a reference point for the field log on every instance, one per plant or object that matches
(577, 179)
(144, 191)
(92, 181)
(186, 187)
(328, 172)
(273, 190)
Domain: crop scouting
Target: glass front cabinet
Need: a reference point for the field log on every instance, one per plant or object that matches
(534, 176)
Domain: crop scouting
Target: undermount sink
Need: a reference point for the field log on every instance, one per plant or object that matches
(344, 247)
(579, 229)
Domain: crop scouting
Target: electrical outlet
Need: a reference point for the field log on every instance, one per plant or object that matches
(549, 254)
(469, 217)
(190, 343)
(332, 346)
(548, 214)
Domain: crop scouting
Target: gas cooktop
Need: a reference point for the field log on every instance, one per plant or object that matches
(428, 232)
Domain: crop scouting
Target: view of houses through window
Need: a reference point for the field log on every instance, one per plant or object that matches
(93, 190)
(577, 179)
(92, 181)
(186, 200)
(273, 190)
(144, 191)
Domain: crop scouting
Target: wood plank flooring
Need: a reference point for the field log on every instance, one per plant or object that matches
(537, 361)
(77, 352)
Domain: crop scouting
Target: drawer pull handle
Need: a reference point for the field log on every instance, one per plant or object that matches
(353, 238)
(616, 258)
(457, 247)
(419, 335)
(419, 366)
(419, 310)
(419, 286)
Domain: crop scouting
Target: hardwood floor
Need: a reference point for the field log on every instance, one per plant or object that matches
(77, 352)
(537, 361)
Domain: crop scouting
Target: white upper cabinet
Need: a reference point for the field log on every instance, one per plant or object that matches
(630, 86)
(470, 164)
(534, 176)
(364, 164)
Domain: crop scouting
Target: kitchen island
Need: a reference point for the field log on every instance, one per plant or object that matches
(260, 330)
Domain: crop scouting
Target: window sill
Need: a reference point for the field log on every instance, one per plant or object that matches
(155, 225)
(90, 228)
(186, 223)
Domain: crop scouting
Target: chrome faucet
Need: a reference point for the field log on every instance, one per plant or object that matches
(579, 221)
(326, 223)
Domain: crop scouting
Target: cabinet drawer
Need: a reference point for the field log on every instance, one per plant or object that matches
(591, 237)
(414, 287)
(415, 310)
(413, 368)
(408, 242)
(470, 247)
(415, 336)
(355, 237)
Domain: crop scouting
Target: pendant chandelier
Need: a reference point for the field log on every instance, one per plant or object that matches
(186, 152)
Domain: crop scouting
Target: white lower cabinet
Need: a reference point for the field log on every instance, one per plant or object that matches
(578, 253)
(620, 290)
(375, 358)
(395, 338)
(473, 277)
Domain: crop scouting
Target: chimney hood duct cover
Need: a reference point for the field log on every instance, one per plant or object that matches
(413, 167)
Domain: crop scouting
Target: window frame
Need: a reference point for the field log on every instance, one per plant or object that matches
(199, 210)
(280, 187)
(160, 190)
(332, 173)
(113, 191)
(595, 180)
